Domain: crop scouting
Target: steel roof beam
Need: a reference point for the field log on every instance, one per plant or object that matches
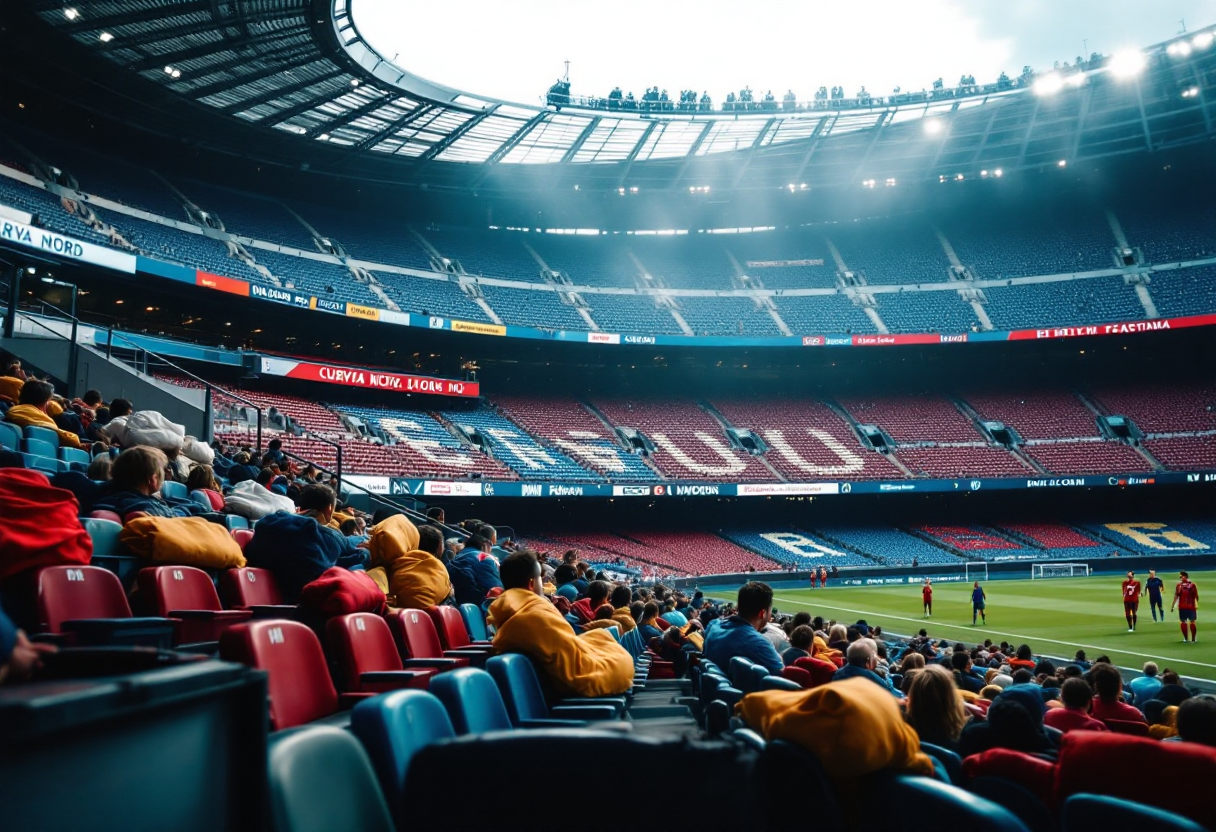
(262, 74)
(213, 48)
(448, 140)
(280, 92)
(581, 140)
(379, 136)
(354, 114)
(84, 23)
(187, 29)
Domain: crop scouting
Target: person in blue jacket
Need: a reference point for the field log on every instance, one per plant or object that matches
(742, 633)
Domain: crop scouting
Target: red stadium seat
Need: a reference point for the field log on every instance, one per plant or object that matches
(242, 537)
(1127, 726)
(187, 593)
(249, 587)
(106, 515)
(366, 659)
(299, 687)
(453, 632)
(86, 606)
(420, 642)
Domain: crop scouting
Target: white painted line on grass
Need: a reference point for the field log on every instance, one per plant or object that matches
(973, 629)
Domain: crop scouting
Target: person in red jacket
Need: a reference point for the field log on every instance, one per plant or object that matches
(1186, 599)
(1077, 697)
(1108, 684)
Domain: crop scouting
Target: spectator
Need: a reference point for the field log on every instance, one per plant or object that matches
(603, 618)
(1024, 659)
(19, 657)
(434, 514)
(242, 469)
(33, 410)
(202, 478)
(115, 428)
(741, 634)
(838, 638)
(861, 661)
(620, 599)
(1015, 721)
(1145, 687)
(1077, 696)
(274, 454)
(597, 595)
(593, 664)
(935, 708)
(136, 476)
(298, 548)
(99, 468)
(412, 558)
(801, 641)
(646, 624)
(1162, 719)
(964, 673)
(1196, 720)
(1108, 685)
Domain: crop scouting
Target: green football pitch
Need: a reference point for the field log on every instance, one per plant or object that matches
(1055, 616)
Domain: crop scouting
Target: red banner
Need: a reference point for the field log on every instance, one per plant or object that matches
(374, 379)
(1125, 328)
(224, 284)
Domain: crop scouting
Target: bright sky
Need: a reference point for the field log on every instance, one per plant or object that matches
(514, 49)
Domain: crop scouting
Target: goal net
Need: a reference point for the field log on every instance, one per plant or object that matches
(1058, 570)
(976, 570)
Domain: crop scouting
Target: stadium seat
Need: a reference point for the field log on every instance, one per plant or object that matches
(1092, 811)
(420, 642)
(102, 514)
(201, 498)
(46, 464)
(1014, 797)
(941, 806)
(41, 434)
(365, 657)
(76, 459)
(256, 590)
(242, 537)
(40, 447)
(10, 436)
(172, 490)
(88, 605)
(392, 729)
(188, 594)
(778, 683)
(322, 781)
(298, 684)
(453, 632)
(475, 621)
(1129, 727)
(108, 551)
(951, 762)
(235, 521)
(525, 700)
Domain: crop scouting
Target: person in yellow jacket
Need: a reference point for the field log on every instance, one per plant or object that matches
(32, 410)
(411, 557)
(592, 664)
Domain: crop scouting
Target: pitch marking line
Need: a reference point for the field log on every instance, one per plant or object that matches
(965, 628)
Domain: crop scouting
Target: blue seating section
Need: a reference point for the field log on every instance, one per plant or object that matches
(1157, 537)
(167, 243)
(375, 239)
(1072, 239)
(830, 313)
(514, 447)
(727, 316)
(797, 547)
(911, 311)
(892, 253)
(1169, 236)
(315, 277)
(487, 253)
(774, 246)
(893, 547)
(1070, 303)
(543, 310)
(630, 313)
(430, 297)
(1184, 292)
(250, 216)
(588, 261)
(49, 210)
(683, 262)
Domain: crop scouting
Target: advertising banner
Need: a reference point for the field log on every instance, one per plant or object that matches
(367, 313)
(603, 338)
(49, 242)
(363, 377)
(786, 489)
(224, 284)
(480, 329)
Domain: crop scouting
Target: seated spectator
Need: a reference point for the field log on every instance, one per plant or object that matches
(1023, 660)
(32, 410)
(801, 641)
(474, 571)
(1161, 718)
(597, 595)
(274, 454)
(1108, 685)
(742, 633)
(1080, 661)
(593, 664)
(620, 599)
(1196, 720)
(19, 657)
(964, 674)
(202, 478)
(136, 476)
(99, 468)
(1077, 698)
(241, 469)
(355, 530)
(115, 429)
(861, 660)
(646, 625)
(1015, 721)
(1145, 687)
(412, 558)
(11, 383)
(911, 660)
(603, 618)
(298, 548)
(934, 707)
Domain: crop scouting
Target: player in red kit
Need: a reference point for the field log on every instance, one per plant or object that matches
(1131, 600)
(1186, 599)
(926, 594)
(823, 577)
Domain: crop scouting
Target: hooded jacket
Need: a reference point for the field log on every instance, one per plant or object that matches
(589, 665)
(298, 550)
(26, 415)
(418, 579)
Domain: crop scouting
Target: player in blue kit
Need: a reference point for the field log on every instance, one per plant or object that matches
(1152, 588)
(978, 598)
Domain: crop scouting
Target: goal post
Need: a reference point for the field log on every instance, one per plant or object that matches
(976, 570)
(1058, 570)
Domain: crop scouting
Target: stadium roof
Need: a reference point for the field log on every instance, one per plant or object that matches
(300, 71)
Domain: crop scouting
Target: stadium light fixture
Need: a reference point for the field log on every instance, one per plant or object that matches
(105, 37)
(890, 183)
(354, 82)
(998, 173)
(933, 127)
(1202, 40)
(1077, 79)
(867, 183)
(1128, 64)
(71, 13)
(958, 177)
(1063, 163)
(1049, 84)
(1190, 92)
(1179, 49)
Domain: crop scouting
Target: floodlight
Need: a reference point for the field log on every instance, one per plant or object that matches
(998, 172)
(1180, 49)
(1190, 92)
(1049, 84)
(1128, 64)
(933, 127)
(1062, 163)
(1077, 79)
(105, 37)
(354, 82)
(70, 13)
(1202, 40)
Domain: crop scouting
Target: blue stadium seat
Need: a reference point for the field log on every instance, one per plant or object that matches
(172, 490)
(941, 806)
(232, 522)
(392, 728)
(320, 780)
(74, 457)
(525, 700)
(1094, 811)
(475, 620)
(10, 436)
(200, 498)
(778, 683)
(46, 464)
(40, 447)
